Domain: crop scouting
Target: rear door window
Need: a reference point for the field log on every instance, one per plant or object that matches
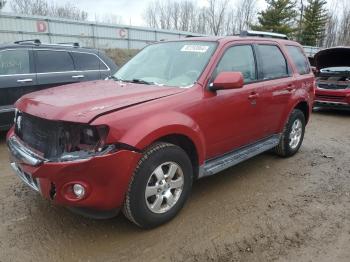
(239, 59)
(274, 64)
(85, 61)
(299, 59)
(48, 61)
(14, 62)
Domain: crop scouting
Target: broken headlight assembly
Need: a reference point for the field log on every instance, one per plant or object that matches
(81, 142)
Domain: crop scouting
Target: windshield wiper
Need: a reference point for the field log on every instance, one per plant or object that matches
(135, 80)
(114, 78)
(140, 81)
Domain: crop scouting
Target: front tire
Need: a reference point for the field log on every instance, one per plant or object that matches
(160, 186)
(293, 134)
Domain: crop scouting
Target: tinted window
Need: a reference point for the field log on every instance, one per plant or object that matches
(239, 59)
(274, 64)
(299, 59)
(14, 62)
(53, 61)
(85, 61)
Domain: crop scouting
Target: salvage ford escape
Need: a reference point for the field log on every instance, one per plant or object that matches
(177, 111)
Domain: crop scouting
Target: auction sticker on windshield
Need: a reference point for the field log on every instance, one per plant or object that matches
(195, 48)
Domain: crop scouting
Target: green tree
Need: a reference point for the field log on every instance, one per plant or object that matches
(279, 17)
(314, 22)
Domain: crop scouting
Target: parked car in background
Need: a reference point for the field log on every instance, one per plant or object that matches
(177, 111)
(28, 66)
(333, 77)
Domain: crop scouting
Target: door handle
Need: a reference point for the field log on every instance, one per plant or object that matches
(78, 76)
(27, 80)
(253, 96)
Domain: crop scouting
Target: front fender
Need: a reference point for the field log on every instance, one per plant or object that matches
(147, 131)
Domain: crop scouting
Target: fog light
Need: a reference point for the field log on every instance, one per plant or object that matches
(79, 190)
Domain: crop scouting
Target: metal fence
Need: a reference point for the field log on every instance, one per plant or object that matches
(311, 50)
(52, 30)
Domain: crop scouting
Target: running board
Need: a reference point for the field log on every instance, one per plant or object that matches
(216, 165)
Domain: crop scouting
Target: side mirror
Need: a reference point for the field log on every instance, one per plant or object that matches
(227, 80)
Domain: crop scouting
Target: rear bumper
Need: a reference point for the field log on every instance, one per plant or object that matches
(106, 178)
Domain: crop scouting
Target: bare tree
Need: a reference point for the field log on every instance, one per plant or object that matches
(220, 17)
(109, 19)
(216, 15)
(44, 8)
(338, 25)
(187, 15)
(2, 4)
(344, 26)
(245, 13)
(151, 15)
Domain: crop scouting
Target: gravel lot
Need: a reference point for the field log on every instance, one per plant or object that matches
(265, 209)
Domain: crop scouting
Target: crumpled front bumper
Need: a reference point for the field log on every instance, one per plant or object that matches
(106, 177)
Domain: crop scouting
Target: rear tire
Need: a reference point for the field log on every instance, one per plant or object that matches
(159, 187)
(293, 135)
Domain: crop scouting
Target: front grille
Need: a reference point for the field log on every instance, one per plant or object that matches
(330, 97)
(333, 86)
(44, 136)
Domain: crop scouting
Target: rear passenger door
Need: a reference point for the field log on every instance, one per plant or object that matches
(54, 68)
(304, 77)
(88, 66)
(279, 85)
(17, 78)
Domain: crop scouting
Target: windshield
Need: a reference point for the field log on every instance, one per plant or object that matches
(170, 63)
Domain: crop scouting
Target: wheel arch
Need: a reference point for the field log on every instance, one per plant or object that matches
(303, 107)
(187, 145)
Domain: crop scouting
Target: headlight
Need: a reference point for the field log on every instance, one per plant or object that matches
(85, 141)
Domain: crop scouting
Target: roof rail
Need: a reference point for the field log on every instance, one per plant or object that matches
(73, 44)
(263, 34)
(31, 41)
(38, 42)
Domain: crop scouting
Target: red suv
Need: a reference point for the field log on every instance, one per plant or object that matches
(176, 112)
(333, 78)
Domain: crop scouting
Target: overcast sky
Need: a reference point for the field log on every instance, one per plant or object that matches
(131, 11)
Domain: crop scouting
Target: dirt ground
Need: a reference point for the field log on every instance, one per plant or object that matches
(265, 209)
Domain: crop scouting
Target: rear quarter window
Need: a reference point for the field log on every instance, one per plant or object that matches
(85, 61)
(299, 59)
(274, 64)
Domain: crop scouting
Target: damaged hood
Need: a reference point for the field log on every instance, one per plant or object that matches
(333, 57)
(82, 102)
